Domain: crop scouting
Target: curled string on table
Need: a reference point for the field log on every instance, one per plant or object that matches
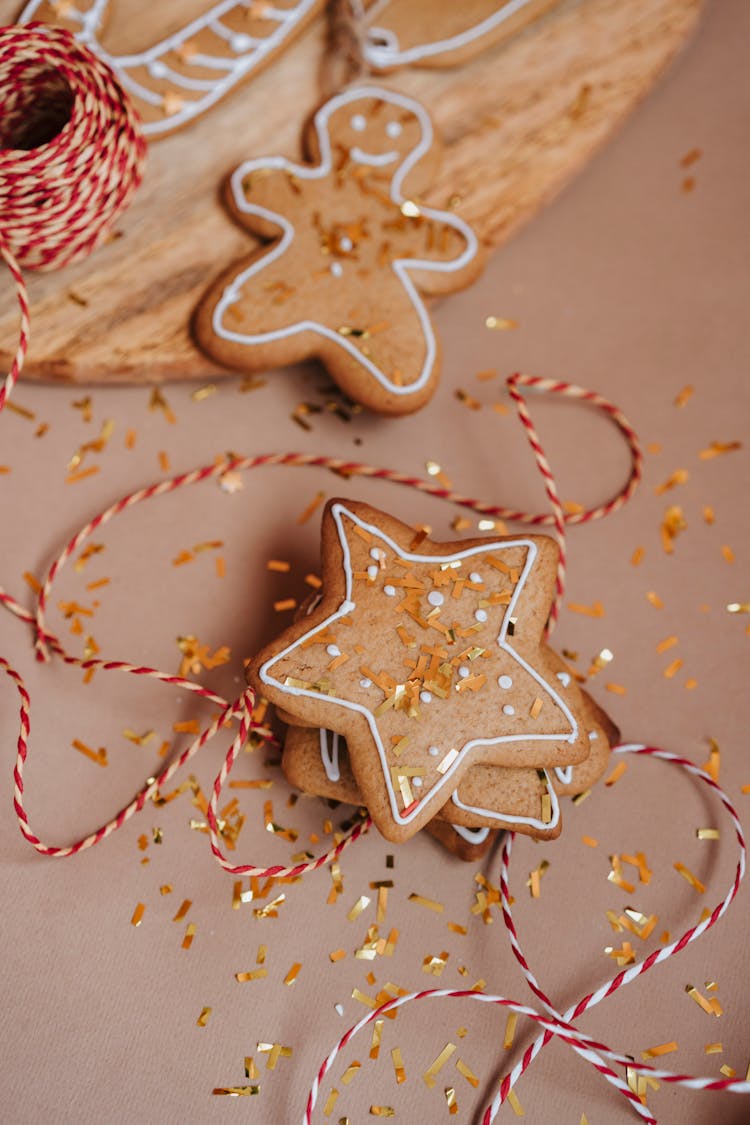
(47, 643)
(71, 156)
(561, 1025)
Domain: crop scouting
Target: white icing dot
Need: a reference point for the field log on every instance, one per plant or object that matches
(240, 43)
(426, 696)
(333, 650)
(416, 782)
(345, 243)
(504, 681)
(463, 670)
(474, 577)
(336, 269)
(435, 597)
(593, 735)
(508, 710)
(481, 615)
(564, 678)
(372, 572)
(157, 69)
(377, 553)
(365, 682)
(393, 129)
(433, 751)
(389, 590)
(358, 123)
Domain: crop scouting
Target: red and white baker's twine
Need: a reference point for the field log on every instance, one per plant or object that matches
(554, 1024)
(59, 194)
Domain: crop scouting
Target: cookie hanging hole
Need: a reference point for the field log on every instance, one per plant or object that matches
(36, 107)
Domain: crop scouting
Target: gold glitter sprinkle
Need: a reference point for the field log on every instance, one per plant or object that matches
(667, 643)
(351, 1072)
(190, 930)
(727, 553)
(429, 903)
(672, 525)
(99, 756)
(203, 1017)
(158, 402)
(713, 1048)
(687, 392)
(311, 507)
(654, 599)
(595, 610)
(637, 557)
(138, 914)
(436, 1066)
(203, 392)
(679, 476)
(467, 399)
(455, 928)
(236, 1091)
(447, 761)
(285, 604)
(716, 448)
(278, 565)
(361, 903)
(657, 1052)
(382, 1110)
(738, 607)
(500, 323)
(616, 689)
(467, 1072)
(293, 973)
(581, 797)
(728, 1071)
(398, 1065)
(337, 955)
(450, 1099)
(590, 842)
(673, 668)
(707, 833)
(330, 1102)
(515, 1104)
(689, 877)
(22, 411)
(187, 903)
(377, 1035)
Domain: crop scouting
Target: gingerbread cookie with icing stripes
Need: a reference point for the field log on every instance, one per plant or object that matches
(349, 251)
(428, 658)
(179, 77)
(423, 33)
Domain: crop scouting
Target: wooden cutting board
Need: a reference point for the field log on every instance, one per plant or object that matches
(517, 123)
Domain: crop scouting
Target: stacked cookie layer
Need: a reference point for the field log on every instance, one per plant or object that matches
(418, 683)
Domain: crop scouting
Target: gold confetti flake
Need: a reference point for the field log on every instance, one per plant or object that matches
(285, 604)
(684, 396)
(351, 1072)
(236, 1091)
(595, 610)
(436, 1066)
(186, 904)
(361, 904)
(590, 842)
(667, 643)
(377, 1035)
(467, 1072)
(337, 955)
(330, 1102)
(713, 1048)
(727, 553)
(190, 931)
(535, 708)
(738, 607)
(657, 1052)
(707, 833)
(689, 877)
(99, 756)
(203, 1017)
(138, 914)
(654, 599)
(450, 1100)
(398, 1065)
(616, 689)
(515, 1104)
(500, 323)
(293, 973)
(679, 476)
(428, 903)
(203, 392)
(728, 1071)
(673, 668)
(672, 525)
(382, 1110)
(157, 401)
(638, 556)
(455, 928)
(314, 504)
(467, 399)
(717, 448)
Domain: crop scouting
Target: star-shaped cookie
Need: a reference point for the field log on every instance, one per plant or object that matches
(428, 658)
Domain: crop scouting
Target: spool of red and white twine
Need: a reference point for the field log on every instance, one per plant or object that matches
(553, 1024)
(71, 156)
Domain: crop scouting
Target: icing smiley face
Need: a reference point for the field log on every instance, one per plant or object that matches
(377, 133)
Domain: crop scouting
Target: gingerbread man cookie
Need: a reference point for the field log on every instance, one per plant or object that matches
(351, 251)
(428, 658)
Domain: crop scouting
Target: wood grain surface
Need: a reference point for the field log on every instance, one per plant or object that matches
(517, 123)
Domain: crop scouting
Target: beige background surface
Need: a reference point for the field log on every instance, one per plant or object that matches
(628, 284)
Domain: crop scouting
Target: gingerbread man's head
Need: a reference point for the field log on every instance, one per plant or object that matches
(379, 129)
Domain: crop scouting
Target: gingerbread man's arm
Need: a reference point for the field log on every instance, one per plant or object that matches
(260, 189)
(449, 249)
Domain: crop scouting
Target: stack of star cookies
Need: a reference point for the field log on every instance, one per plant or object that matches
(418, 683)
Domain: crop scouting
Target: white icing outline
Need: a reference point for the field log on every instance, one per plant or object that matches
(471, 835)
(400, 266)
(236, 69)
(329, 753)
(338, 512)
(530, 820)
(387, 53)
